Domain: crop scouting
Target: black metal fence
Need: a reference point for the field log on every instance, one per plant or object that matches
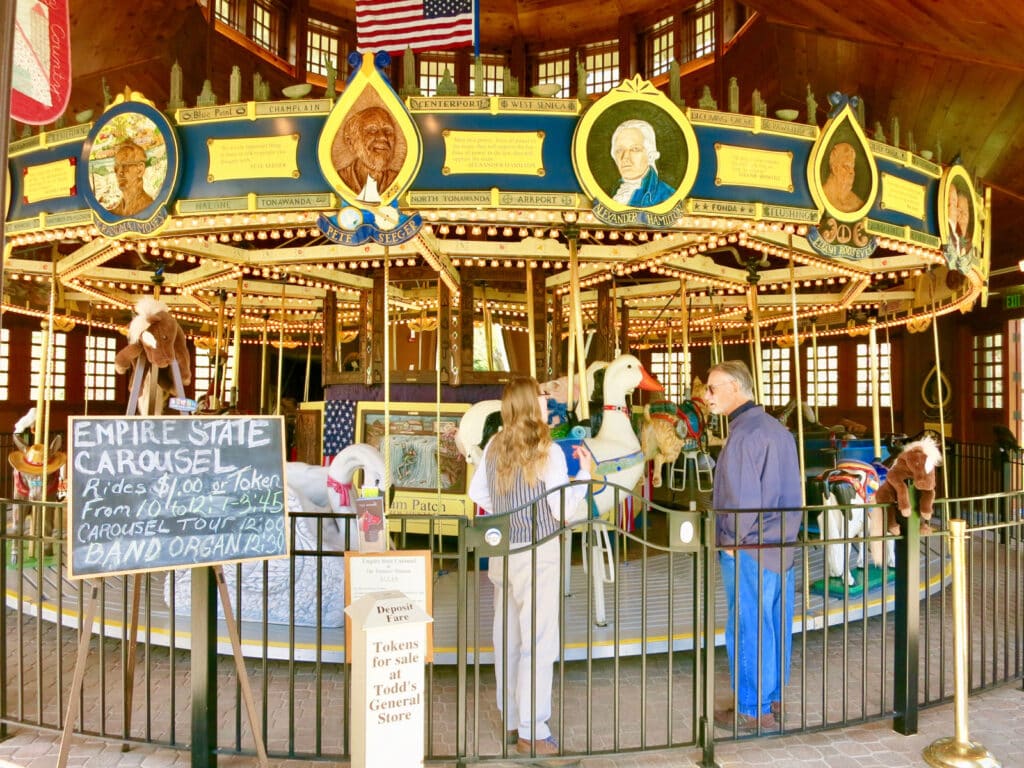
(640, 659)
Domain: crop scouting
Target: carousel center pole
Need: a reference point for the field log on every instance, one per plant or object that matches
(876, 389)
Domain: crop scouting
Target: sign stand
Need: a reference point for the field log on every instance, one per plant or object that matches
(243, 677)
(133, 621)
(85, 635)
(89, 611)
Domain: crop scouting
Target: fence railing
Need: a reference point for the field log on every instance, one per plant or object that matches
(649, 678)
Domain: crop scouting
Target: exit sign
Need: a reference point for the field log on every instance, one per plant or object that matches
(1012, 301)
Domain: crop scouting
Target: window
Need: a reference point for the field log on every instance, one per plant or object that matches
(864, 399)
(823, 375)
(100, 376)
(227, 11)
(775, 369)
(601, 61)
(5, 362)
(987, 365)
(204, 372)
(553, 67)
(493, 75)
(265, 24)
(322, 47)
(431, 69)
(661, 39)
(58, 366)
(499, 356)
(670, 370)
(699, 31)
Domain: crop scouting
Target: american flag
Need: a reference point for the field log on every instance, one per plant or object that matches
(394, 25)
(339, 426)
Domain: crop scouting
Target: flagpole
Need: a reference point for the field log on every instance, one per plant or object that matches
(476, 29)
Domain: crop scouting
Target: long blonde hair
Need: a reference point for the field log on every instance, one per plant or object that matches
(524, 440)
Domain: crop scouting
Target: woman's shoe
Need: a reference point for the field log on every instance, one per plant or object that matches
(543, 747)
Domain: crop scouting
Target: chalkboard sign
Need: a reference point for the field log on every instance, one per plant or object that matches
(148, 494)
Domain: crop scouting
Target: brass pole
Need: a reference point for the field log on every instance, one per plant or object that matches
(263, 364)
(572, 235)
(280, 351)
(386, 445)
(686, 369)
(309, 360)
(876, 390)
(959, 752)
(531, 328)
(238, 343)
(938, 389)
(817, 379)
(757, 368)
(799, 388)
(218, 378)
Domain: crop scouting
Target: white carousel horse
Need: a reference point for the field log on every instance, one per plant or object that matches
(849, 489)
(310, 489)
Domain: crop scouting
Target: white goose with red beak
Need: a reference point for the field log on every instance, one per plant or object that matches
(618, 461)
(616, 448)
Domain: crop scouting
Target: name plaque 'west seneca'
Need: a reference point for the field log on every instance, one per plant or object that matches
(153, 493)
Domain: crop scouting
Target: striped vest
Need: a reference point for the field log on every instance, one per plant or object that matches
(521, 501)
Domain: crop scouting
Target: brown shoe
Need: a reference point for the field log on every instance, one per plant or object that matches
(512, 737)
(776, 707)
(542, 748)
(726, 718)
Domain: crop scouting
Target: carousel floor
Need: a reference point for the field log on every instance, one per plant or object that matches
(636, 608)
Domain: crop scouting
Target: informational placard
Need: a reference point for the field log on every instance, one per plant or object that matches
(406, 571)
(149, 494)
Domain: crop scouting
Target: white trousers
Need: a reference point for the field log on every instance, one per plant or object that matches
(516, 639)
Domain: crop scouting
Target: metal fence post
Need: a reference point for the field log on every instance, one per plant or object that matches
(907, 621)
(706, 647)
(204, 668)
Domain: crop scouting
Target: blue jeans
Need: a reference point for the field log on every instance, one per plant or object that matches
(773, 616)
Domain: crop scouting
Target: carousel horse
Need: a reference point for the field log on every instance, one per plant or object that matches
(847, 491)
(312, 490)
(670, 429)
(618, 459)
(27, 464)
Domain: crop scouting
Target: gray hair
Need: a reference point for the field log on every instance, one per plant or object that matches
(737, 371)
(647, 132)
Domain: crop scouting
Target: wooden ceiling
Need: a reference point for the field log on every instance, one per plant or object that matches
(951, 73)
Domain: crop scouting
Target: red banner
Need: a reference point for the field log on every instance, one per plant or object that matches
(41, 76)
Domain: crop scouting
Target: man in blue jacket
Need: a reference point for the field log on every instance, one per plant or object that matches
(757, 470)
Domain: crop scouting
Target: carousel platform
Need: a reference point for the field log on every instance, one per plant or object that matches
(639, 603)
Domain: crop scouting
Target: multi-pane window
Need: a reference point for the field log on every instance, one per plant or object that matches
(823, 375)
(864, 399)
(553, 67)
(265, 22)
(601, 61)
(432, 67)
(100, 374)
(493, 75)
(776, 373)
(669, 370)
(58, 365)
(322, 47)
(227, 11)
(699, 31)
(5, 362)
(987, 365)
(204, 371)
(661, 39)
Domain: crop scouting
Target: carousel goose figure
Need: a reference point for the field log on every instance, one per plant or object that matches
(619, 463)
(311, 490)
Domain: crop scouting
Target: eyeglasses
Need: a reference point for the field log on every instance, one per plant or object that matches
(712, 388)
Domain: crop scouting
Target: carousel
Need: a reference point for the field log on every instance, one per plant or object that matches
(421, 250)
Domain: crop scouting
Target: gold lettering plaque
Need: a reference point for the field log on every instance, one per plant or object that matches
(747, 167)
(49, 180)
(264, 157)
(903, 196)
(495, 152)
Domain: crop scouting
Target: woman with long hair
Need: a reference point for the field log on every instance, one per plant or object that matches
(516, 476)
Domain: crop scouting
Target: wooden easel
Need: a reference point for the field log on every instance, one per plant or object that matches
(89, 613)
